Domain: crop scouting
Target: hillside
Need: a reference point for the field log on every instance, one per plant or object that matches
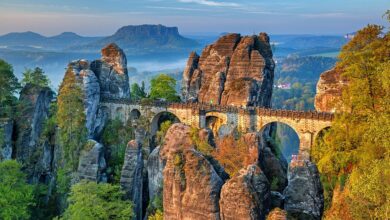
(34, 41)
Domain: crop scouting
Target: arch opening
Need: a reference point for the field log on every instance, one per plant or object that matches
(135, 114)
(214, 123)
(120, 114)
(283, 139)
(319, 145)
(160, 118)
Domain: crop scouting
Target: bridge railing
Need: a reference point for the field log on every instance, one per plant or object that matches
(227, 108)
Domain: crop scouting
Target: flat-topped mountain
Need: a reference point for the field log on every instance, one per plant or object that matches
(146, 38)
(142, 39)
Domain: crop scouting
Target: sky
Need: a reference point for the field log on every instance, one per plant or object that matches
(193, 17)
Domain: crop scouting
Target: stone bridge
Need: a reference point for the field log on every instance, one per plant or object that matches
(219, 118)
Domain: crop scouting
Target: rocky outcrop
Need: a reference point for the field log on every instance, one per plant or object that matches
(304, 194)
(329, 90)
(92, 164)
(29, 147)
(246, 196)
(191, 78)
(6, 132)
(155, 168)
(111, 71)
(191, 185)
(106, 78)
(133, 175)
(277, 214)
(91, 88)
(272, 161)
(235, 70)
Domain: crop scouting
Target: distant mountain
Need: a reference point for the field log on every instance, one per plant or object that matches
(145, 39)
(32, 41)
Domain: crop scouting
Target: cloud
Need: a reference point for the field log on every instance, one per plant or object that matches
(211, 3)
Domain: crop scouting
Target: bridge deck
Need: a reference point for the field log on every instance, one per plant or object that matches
(325, 116)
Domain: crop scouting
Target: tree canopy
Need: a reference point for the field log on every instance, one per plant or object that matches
(16, 195)
(356, 148)
(163, 87)
(138, 92)
(71, 118)
(36, 77)
(92, 201)
(9, 85)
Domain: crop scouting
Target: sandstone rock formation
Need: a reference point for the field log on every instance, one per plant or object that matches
(105, 78)
(29, 147)
(277, 214)
(191, 185)
(271, 162)
(304, 194)
(329, 90)
(92, 164)
(235, 70)
(6, 132)
(111, 71)
(246, 196)
(91, 88)
(132, 176)
(155, 168)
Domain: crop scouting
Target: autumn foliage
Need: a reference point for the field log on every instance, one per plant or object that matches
(233, 154)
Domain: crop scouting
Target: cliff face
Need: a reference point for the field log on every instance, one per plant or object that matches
(235, 70)
(6, 131)
(29, 146)
(304, 194)
(191, 186)
(329, 90)
(104, 78)
(246, 196)
(111, 71)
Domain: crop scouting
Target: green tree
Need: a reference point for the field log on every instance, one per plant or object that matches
(355, 148)
(163, 87)
(9, 85)
(89, 200)
(36, 77)
(137, 92)
(115, 137)
(16, 195)
(71, 118)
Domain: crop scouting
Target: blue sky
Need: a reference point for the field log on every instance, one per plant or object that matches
(103, 17)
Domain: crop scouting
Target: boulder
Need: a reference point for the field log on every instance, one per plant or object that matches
(304, 194)
(235, 70)
(246, 196)
(329, 90)
(111, 70)
(6, 132)
(92, 165)
(191, 186)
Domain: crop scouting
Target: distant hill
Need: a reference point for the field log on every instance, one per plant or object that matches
(146, 38)
(33, 41)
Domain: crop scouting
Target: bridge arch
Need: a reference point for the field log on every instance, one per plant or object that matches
(284, 136)
(135, 114)
(160, 118)
(215, 121)
(120, 113)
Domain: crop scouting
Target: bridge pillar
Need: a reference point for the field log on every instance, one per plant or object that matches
(305, 144)
(202, 119)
